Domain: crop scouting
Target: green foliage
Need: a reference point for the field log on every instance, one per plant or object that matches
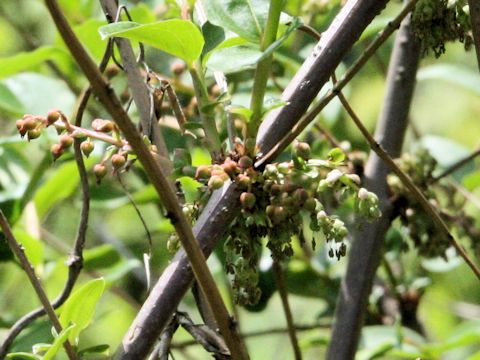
(180, 38)
(79, 309)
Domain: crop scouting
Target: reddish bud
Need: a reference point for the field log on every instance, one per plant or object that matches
(33, 134)
(29, 123)
(178, 67)
(230, 167)
(247, 200)
(245, 162)
(56, 150)
(100, 171)
(300, 196)
(52, 116)
(87, 148)
(104, 126)
(118, 161)
(243, 181)
(215, 182)
(66, 141)
(203, 172)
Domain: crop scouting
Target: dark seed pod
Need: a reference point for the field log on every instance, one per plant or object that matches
(52, 116)
(118, 161)
(87, 148)
(100, 170)
(66, 141)
(245, 162)
(247, 200)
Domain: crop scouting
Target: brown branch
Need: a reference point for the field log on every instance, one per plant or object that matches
(282, 289)
(223, 204)
(17, 249)
(295, 129)
(138, 87)
(408, 182)
(75, 261)
(161, 184)
(474, 8)
(459, 164)
(267, 332)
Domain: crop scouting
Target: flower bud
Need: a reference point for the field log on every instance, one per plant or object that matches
(215, 182)
(333, 176)
(33, 134)
(243, 181)
(270, 171)
(302, 150)
(279, 214)
(66, 141)
(275, 189)
(100, 170)
(29, 123)
(230, 167)
(118, 161)
(52, 116)
(203, 172)
(56, 150)
(283, 168)
(363, 194)
(355, 178)
(178, 67)
(245, 162)
(310, 204)
(300, 196)
(102, 125)
(247, 200)
(87, 148)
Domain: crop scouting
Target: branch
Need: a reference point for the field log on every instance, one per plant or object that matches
(75, 261)
(462, 162)
(162, 185)
(365, 253)
(223, 204)
(282, 289)
(17, 249)
(137, 86)
(284, 139)
(336, 41)
(474, 8)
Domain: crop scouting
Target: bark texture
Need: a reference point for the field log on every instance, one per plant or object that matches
(366, 250)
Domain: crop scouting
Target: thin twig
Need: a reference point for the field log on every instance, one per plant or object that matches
(407, 181)
(19, 252)
(459, 164)
(162, 185)
(75, 261)
(282, 289)
(351, 72)
(267, 332)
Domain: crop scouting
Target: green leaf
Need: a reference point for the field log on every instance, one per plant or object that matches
(9, 102)
(243, 17)
(23, 356)
(336, 155)
(58, 342)
(454, 74)
(244, 112)
(62, 184)
(235, 58)
(236, 55)
(80, 307)
(100, 257)
(33, 247)
(26, 60)
(102, 349)
(179, 38)
(214, 35)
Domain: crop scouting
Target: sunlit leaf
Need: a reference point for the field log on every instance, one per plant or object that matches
(80, 307)
(58, 342)
(179, 38)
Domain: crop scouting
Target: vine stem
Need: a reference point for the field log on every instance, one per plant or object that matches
(462, 162)
(17, 249)
(282, 289)
(208, 120)
(407, 181)
(262, 71)
(162, 185)
(345, 79)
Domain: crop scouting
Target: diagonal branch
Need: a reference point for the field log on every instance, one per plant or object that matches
(365, 253)
(17, 249)
(162, 185)
(222, 206)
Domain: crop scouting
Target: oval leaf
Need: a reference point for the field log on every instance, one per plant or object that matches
(180, 38)
(80, 307)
